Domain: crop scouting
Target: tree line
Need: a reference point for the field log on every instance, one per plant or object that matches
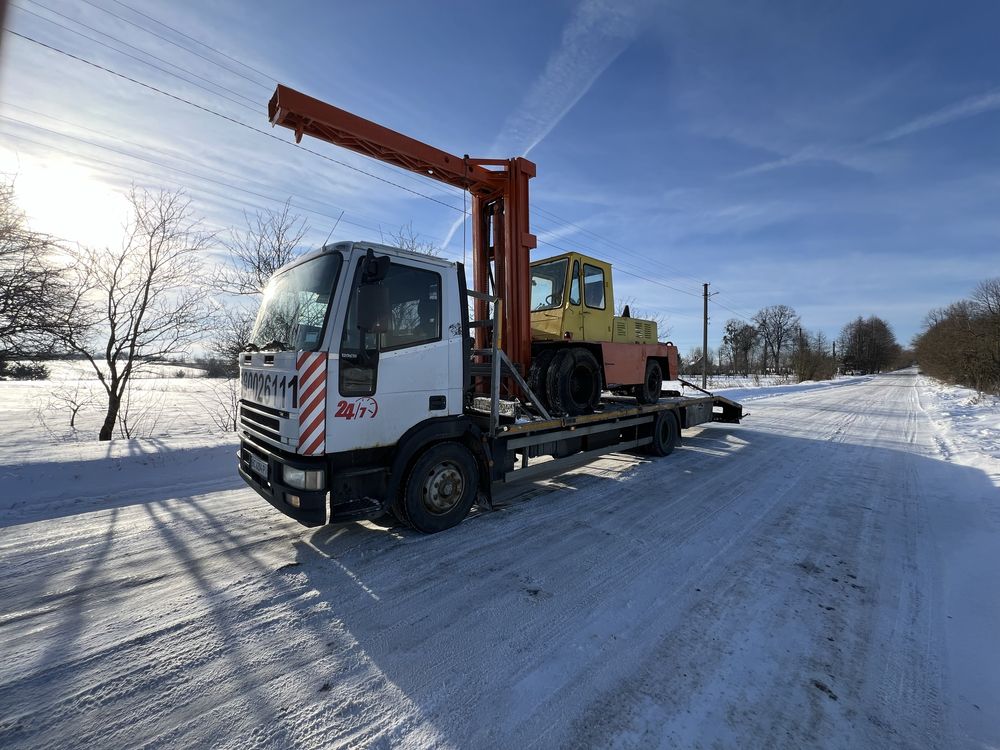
(960, 343)
(775, 342)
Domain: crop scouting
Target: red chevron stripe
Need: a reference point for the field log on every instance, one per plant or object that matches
(311, 389)
(312, 367)
(303, 434)
(316, 444)
(308, 402)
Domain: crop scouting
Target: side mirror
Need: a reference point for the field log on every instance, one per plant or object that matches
(374, 269)
(373, 308)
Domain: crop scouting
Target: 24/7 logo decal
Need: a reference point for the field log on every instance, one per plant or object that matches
(359, 408)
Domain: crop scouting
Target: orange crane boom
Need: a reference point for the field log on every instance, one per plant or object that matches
(501, 236)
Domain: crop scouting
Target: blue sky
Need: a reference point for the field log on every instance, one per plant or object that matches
(841, 158)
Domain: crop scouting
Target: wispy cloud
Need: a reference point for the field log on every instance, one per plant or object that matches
(597, 33)
(970, 107)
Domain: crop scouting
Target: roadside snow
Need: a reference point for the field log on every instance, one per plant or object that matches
(967, 422)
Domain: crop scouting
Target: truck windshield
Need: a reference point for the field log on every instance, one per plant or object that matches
(547, 283)
(293, 311)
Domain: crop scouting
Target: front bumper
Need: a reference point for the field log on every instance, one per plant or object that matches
(311, 510)
(351, 494)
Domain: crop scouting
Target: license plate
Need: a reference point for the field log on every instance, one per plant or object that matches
(258, 466)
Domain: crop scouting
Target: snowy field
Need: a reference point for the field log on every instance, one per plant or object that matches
(823, 575)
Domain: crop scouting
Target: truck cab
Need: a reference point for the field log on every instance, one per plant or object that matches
(572, 299)
(322, 386)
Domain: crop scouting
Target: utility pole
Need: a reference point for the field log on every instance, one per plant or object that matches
(704, 345)
(836, 366)
(801, 358)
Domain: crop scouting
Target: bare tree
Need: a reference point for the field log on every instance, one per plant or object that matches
(738, 342)
(233, 328)
(141, 302)
(33, 292)
(69, 398)
(407, 239)
(776, 325)
(139, 415)
(225, 404)
(269, 240)
(813, 357)
(868, 345)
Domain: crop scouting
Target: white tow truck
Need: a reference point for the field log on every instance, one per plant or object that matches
(363, 392)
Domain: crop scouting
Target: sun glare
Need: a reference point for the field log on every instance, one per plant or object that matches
(68, 201)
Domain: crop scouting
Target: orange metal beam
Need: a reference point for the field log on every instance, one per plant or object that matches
(308, 116)
(500, 209)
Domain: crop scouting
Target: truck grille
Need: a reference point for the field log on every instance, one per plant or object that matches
(252, 417)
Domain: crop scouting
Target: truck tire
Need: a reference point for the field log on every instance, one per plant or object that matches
(573, 383)
(666, 434)
(537, 373)
(648, 392)
(440, 488)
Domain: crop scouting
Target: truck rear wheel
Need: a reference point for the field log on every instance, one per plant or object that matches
(665, 434)
(649, 391)
(573, 383)
(440, 488)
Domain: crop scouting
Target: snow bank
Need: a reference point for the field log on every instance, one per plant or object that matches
(967, 423)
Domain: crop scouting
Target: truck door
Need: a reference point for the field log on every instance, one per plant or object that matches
(406, 373)
(573, 315)
(596, 315)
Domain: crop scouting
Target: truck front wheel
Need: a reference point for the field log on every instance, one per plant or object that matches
(440, 488)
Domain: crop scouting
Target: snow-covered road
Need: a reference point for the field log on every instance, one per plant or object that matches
(820, 576)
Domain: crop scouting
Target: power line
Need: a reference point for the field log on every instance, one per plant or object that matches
(196, 41)
(176, 157)
(228, 118)
(175, 44)
(272, 78)
(619, 263)
(629, 273)
(737, 313)
(612, 242)
(161, 165)
(139, 59)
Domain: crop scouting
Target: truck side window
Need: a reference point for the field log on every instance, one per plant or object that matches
(593, 286)
(574, 284)
(414, 318)
(415, 307)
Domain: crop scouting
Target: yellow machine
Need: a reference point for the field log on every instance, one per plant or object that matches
(572, 299)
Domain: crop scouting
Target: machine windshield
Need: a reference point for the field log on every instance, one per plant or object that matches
(295, 304)
(548, 280)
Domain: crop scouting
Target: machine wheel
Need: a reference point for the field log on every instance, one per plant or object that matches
(440, 488)
(573, 383)
(649, 391)
(665, 435)
(537, 373)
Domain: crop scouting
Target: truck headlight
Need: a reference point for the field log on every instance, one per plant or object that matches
(304, 479)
